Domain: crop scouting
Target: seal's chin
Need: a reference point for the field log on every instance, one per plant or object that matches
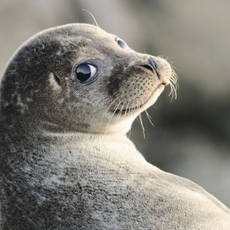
(138, 109)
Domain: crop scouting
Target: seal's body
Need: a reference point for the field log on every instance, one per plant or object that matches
(68, 97)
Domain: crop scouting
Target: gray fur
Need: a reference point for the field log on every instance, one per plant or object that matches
(65, 160)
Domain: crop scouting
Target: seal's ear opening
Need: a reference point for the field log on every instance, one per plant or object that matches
(57, 79)
(54, 81)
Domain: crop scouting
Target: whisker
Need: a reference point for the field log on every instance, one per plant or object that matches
(106, 112)
(111, 117)
(120, 113)
(173, 85)
(95, 21)
(142, 125)
(149, 118)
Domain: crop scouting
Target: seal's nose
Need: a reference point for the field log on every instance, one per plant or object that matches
(151, 65)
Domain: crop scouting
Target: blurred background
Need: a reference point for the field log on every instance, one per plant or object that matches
(191, 135)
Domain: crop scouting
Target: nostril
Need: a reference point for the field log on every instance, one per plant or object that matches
(150, 64)
(147, 66)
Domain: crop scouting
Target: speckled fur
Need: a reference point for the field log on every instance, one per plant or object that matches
(65, 160)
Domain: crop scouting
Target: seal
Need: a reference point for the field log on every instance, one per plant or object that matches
(68, 97)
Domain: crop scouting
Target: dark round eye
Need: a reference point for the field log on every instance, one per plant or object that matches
(85, 71)
(121, 43)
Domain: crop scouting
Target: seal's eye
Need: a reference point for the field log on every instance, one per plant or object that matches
(121, 43)
(85, 72)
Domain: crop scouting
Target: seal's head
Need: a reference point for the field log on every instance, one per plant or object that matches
(78, 77)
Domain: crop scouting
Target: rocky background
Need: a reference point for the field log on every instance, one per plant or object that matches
(191, 136)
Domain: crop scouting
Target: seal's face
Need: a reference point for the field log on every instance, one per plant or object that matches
(80, 78)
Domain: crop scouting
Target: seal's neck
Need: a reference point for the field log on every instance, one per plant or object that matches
(83, 138)
(121, 127)
(115, 147)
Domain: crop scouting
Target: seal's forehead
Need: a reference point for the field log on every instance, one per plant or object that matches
(78, 30)
(65, 39)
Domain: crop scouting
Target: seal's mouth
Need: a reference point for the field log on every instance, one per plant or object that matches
(134, 109)
(127, 110)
